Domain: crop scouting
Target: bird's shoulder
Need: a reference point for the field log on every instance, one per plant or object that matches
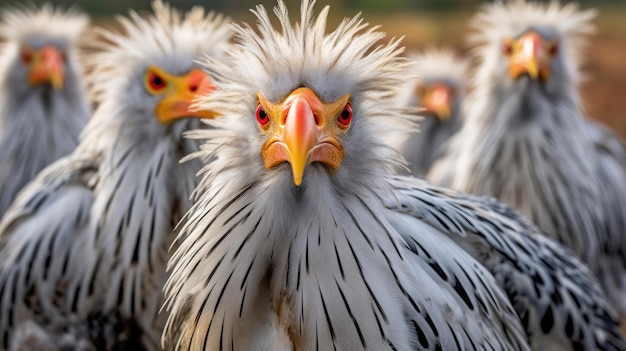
(463, 300)
(548, 286)
(38, 239)
(605, 141)
(54, 188)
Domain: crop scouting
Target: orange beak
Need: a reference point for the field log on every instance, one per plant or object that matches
(300, 134)
(530, 56)
(303, 131)
(182, 91)
(438, 100)
(47, 67)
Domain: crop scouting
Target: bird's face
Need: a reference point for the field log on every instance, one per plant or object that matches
(532, 54)
(303, 129)
(436, 98)
(42, 65)
(172, 94)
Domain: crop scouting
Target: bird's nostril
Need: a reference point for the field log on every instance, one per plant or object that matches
(193, 88)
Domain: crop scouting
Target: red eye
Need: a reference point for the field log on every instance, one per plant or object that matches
(345, 117)
(26, 57)
(262, 117)
(156, 82)
(554, 49)
(507, 49)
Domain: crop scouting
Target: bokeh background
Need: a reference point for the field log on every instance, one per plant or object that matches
(435, 22)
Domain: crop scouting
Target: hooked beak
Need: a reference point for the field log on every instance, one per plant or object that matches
(178, 101)
(438, 100)
(303, 131)
(47, 67)
(300, 136)
(530, 57)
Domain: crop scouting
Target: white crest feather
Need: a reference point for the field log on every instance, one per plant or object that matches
(166, 33)
(331, 63)
(22, 22)
(513, 17)
(437, 63)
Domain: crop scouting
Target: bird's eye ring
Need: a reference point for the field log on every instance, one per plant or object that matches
(507, 48)
(553, 50)
(156, 82)
(26, 57)
(345, 117)
(262, 117)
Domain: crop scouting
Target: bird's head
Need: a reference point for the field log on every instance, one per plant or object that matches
(147, 78)
(41, 47)
(303, 106)
(440, 84)
(525, 44)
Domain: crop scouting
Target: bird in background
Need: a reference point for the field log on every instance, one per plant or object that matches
(43, 105)
(526, 142)
(439, 88)
(289, 244)
(87, 241)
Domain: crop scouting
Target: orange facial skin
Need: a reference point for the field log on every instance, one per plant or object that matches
(178, 93)
(530, 54)
(437, 98)
(302, 130)
(45, 65)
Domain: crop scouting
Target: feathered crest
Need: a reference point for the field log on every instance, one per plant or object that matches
(275, 62)
(501, 19)
(163, 35)
(436, 63)
(21, 22)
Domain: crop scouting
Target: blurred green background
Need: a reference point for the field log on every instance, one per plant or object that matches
(433, 22)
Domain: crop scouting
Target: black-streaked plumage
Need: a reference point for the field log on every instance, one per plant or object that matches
(43, 105)
(85, 247)
(559, 301)
(289, 245)
(526, 142)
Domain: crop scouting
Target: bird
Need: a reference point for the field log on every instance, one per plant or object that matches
(43, 107)
(288, 244)
(86, 244)
(439, 89)
(526, 141)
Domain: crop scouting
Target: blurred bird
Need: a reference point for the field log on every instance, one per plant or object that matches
(90, 235)
(289, 245)
(43, 106)
(441, 84)
(526, 141)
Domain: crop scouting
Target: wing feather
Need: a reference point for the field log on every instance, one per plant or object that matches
(40, 242)
(551, 290)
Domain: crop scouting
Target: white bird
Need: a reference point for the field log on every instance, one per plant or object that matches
(525, 139)
(289, 245)
(439, 89)
(43, 106)
(89, 237)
